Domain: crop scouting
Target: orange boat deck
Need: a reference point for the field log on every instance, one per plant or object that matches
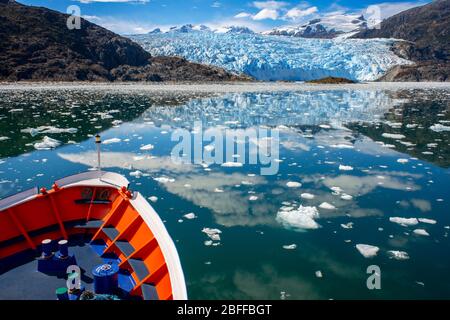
(118, 224)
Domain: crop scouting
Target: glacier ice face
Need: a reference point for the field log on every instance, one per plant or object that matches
(272, 58)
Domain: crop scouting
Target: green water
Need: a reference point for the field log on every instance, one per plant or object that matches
(318, 132)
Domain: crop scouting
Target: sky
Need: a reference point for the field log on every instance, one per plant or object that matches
(142, 16)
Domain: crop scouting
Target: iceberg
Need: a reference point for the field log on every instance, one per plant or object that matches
(301, 218)
(273, 58)
(367, 250)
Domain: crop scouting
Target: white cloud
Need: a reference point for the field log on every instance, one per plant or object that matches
(269, 4)
(216, 4)
(296, 13)
(243, 15)
(266, 14)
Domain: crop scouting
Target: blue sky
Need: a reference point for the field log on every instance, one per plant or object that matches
(140, 16)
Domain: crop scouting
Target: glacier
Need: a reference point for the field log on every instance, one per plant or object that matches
(272, 58)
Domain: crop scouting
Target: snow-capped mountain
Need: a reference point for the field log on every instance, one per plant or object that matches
(266, 57)
(187, 28)
(327, 27)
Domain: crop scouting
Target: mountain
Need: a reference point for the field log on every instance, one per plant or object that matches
(35, 44)
(426, 30)
(273, 58)
(188, 28)
(327, 27)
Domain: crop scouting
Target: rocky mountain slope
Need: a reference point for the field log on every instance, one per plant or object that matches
(426, 30)
(35, 44)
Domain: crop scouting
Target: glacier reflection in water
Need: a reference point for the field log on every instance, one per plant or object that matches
(361, 159)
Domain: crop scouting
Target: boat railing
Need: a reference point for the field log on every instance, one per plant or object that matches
(112, 178)
(17, 198)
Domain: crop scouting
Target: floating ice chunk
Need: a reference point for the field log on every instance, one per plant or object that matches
(367, 250)
(401, 160)
(426, 220)
(290, 246)
(231, 164)
(153, 198)
(4, 138)
(342, 146)
(439, 127)
(293, 184)
(345, 168)
(347, 225)
(190, 216)
(308, 196)
(393, 136)
(164, 179)
(404, 221)
(253, 198)
(218, 190)
(136, 174)
(147, 147)
(47, 143)
(398, 255)
(325, 126)
(212, 233)
(301, 218)
(112, 140)
(327, 206)
(346, 197)
(208, 243)
(421, 232)
(116, 122)
(319, 274)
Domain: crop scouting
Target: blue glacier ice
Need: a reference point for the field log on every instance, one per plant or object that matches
(271, 58)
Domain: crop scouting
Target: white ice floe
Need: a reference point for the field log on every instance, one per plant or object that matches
(253, 198)
(231, 164)
(398, 255)
(307, 196)
(319, 274)
(301, 218)
(147, 147)
(404, 221)
(439, 127)
(112, 140)
(164, 179)
(136, 174)
(47, 143)
(327, 206)
(190, 216)
(293, 184)
(393, 136)
(347, 225)
(290, 246)
(345, 168)
(346, 197)
(401, 160)
(367, 250)
(212, 233)
(153, 198)
(426, 220)
(421, 232)
(4, 138)
(48, 130)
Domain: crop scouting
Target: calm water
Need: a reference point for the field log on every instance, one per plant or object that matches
(370, 155)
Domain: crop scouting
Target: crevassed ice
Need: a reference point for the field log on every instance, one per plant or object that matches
(273, 58)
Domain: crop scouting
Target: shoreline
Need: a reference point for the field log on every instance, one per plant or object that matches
(218, 87)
